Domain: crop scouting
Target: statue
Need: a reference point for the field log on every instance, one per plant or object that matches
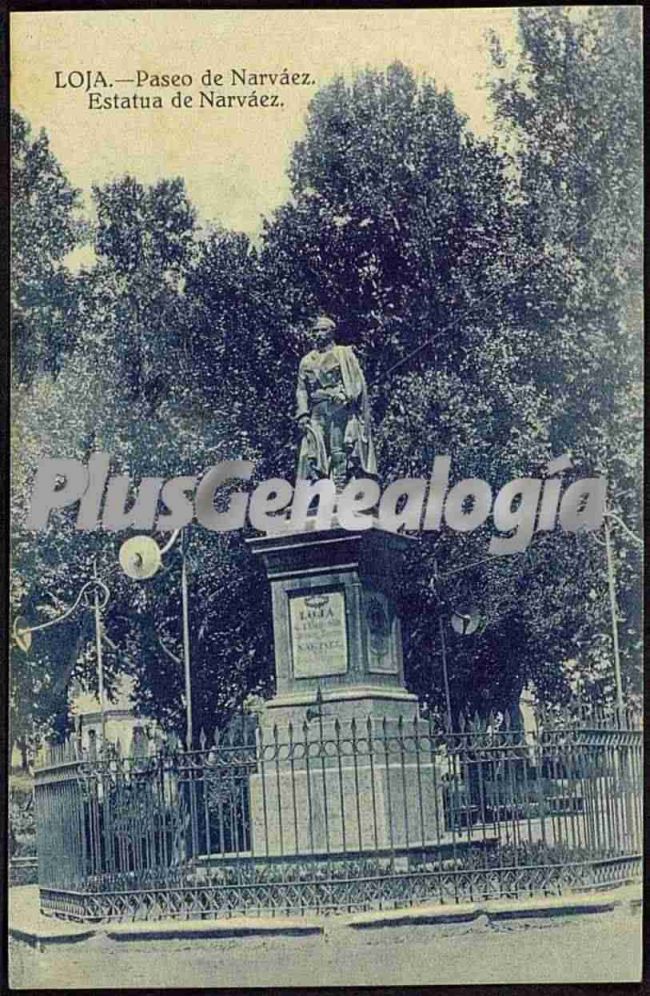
(332, 411)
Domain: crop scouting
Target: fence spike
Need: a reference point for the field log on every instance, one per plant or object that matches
(353, 728)
(461, 721)
(290, 731)
(369, 725)
(337, 726)
(217, 736)
(202, 739)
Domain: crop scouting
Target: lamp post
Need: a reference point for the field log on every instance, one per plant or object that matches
(608, 517)
(463, 623)
(141, 557)
(22, 633)
(443, 650)
(100, 659)
(611, 584)
(186, 643)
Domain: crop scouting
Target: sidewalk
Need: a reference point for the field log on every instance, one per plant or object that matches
(27, 924)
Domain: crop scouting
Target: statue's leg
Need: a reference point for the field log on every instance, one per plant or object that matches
(338, 451)
(352, 442)
(319, 448)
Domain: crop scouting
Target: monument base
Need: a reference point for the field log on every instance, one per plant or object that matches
(360, 702)
(343, 759)
(332, 808)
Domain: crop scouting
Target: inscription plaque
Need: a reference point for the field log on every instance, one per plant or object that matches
(318, 634)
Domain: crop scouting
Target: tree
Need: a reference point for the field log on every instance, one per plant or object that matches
(491, 291)
(406, 226)
(394, 206)
(569, 109)
(152, 386)
(45, 227)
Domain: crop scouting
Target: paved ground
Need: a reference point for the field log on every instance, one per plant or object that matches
(587, 948)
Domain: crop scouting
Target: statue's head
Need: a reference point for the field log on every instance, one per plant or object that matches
(322, 331)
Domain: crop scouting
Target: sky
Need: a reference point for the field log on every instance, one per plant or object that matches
(233, 160)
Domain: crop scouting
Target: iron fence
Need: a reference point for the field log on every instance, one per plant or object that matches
(340, 817)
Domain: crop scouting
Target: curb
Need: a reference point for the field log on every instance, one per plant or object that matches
(479, 914)
(39, 939)
(469, 916)
(494, 912)
(189, 929)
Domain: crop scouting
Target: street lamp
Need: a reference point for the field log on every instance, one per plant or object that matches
(613, 608)
(464, 623)
(140, 558)
(22, 633)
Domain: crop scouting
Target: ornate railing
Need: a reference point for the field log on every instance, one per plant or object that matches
(336, 816)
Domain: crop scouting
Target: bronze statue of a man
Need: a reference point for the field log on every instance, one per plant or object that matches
(332, 411)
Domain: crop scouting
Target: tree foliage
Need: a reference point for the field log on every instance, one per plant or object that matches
(45, 227)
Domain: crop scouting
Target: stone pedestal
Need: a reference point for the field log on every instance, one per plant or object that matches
(328, 781)
(335, 624)
(325, 810)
